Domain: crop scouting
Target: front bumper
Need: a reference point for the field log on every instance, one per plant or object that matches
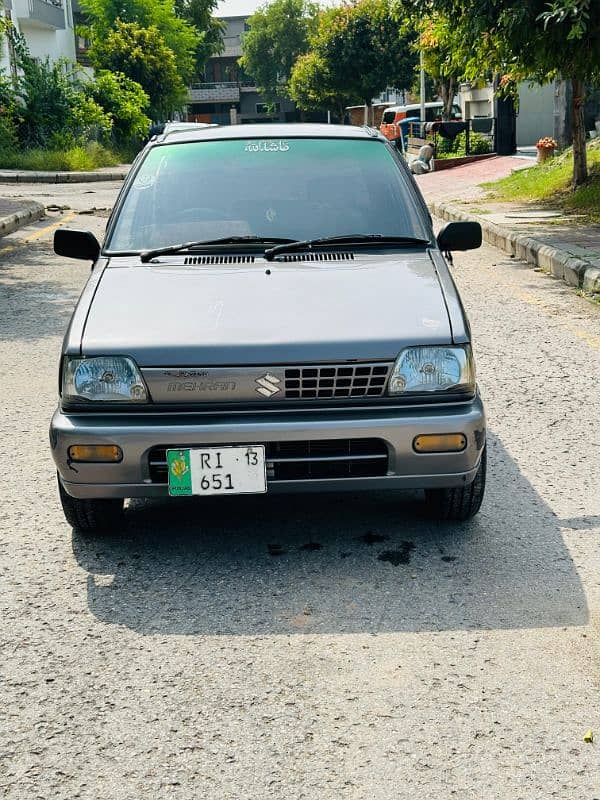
(138, 433)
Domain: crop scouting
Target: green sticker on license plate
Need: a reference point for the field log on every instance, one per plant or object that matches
(180, 472)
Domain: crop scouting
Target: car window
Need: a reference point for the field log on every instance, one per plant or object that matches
(434, 113)
(388, 117)
(294, 188)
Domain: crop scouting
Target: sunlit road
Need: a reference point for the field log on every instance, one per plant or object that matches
(186, 658)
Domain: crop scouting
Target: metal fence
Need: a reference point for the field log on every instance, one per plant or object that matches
(454, 139)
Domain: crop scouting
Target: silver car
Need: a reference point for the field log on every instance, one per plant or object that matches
(270, 312)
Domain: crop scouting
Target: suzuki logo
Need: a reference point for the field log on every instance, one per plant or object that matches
(268, 385)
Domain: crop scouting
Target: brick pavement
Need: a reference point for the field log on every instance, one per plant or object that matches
(462, 183)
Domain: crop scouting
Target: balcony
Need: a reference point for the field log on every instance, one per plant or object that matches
(225, 92)
(45, 14)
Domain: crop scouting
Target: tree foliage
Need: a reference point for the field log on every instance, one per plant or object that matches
(279, 33)
(48, 106)
(436, 38)
(143, 56)
(124, 101)
(9, 115)
(364, 49)
(209, 29)
(311, 87)
(177, 33)
(535, 39)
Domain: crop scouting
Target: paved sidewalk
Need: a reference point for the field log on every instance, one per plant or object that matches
(15, 214)
(543, 237)
(462, 183)
(117, 173)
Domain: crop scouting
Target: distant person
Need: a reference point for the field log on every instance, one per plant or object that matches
(422, 164)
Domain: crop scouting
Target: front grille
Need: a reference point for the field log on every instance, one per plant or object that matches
(305, 460)
(359, 380)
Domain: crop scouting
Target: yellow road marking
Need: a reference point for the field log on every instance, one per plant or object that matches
(38, 234)
(532, 300)
(593, 341)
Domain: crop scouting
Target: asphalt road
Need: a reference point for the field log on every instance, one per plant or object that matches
(182, 659)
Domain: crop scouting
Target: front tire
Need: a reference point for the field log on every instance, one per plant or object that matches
(94, 516)
(460, 503)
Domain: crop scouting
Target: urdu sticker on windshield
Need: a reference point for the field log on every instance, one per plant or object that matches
(269, 146)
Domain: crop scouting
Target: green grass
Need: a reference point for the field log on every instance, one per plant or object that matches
(550, 183)
(79, 158)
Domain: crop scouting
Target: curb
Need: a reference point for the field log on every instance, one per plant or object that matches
(441, 164)
(13, 222)
(561, 264)
(61, 177)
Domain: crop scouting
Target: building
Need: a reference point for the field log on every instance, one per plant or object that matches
(47, 26)
(228, 97)
(543, 110)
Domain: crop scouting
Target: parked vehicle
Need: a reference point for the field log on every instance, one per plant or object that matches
(396, 120)
(270, 312)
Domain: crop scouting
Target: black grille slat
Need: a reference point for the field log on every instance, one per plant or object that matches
(336, 381)
(289, 257)
(305, 460)
(188, 260)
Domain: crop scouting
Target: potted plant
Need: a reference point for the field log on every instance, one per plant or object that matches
(545, 148)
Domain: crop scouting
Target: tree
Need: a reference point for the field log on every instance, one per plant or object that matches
(436, 39)
(53, 111)
(279, 33)
(364, 49)
(310, 87)
(177, 33)
(9, 115)
(143, 56)
(124, 101)
(210, 30)
(537, 39)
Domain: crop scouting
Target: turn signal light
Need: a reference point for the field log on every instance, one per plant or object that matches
(440, 443)
(95, 453)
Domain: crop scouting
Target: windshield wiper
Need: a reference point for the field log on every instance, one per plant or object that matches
(148, 255)
(352, 238)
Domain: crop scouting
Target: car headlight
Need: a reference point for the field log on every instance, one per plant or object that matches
(106, 378)
(421, 370)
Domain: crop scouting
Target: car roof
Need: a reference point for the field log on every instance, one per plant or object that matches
(170, 127)
(269, 131)
(429, 104)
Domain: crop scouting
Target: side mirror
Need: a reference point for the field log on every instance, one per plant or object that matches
(460, 236)
(76, 244)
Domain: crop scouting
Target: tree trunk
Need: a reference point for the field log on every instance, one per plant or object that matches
(580, 171)
(367, 119)
(447, 91)
(563, 118)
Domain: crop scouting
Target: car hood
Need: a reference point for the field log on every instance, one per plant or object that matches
(169, 314)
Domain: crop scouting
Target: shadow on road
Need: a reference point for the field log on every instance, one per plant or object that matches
(342, 563)
(33, 308)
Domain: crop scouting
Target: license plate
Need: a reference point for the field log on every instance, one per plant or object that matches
(217, 470)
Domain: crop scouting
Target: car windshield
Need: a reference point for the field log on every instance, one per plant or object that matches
(296, 188)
